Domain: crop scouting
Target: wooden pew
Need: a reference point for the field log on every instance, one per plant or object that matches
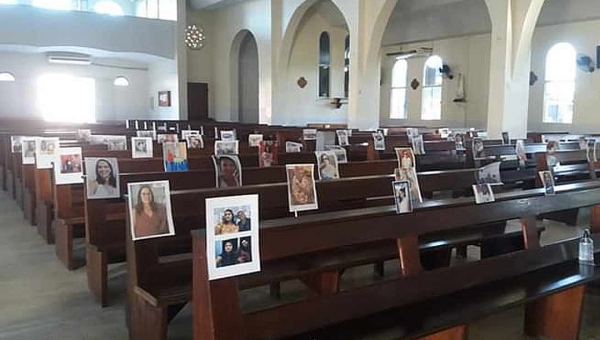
(420, 304)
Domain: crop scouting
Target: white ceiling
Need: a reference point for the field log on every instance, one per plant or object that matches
(211, 4)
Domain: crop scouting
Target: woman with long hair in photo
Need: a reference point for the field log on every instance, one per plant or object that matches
(105, 183)
(326, 169)
(228, 256)
(150, 216)
(228, 173)
(227, 225)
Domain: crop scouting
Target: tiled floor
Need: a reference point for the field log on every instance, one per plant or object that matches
(39, 299)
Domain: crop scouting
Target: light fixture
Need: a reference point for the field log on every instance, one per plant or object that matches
(69, 58)
(121, 81)
(194, 37)
(6, 76)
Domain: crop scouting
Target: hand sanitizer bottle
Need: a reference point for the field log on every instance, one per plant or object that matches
(586, 248)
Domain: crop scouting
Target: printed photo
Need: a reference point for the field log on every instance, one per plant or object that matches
(340, 153)
(267, 153)
(406, 158)
(232, 243)
(478, 150)
(379, 140)
(166, 138)
(553, 146)
(102, 178)
(590, 151)
(324, 138)
(459, 142)
(117, 143)
(483, 193)
(46, 152)
(195, 142)
(302, 192)
(402, 197)
(142, 147)
(293, 147)
(228, 136)
(551, 149)
(489, 174)
(98, 140)
(418, 145)
(150, 210)
(547, 182)
(83, 135)
(69, 169)
(409, 175)
(28, 150)
(520, 150)
(444, 133)
(582, 143)
(254, 140)
(596, 150)
(147, 133)
(227, 147)
(228, 171)
(186, 133)
(411, 133)
(15, 144)
(327, 165)
(505, 138)
(175, 157)
(342, 137)
(309, 134)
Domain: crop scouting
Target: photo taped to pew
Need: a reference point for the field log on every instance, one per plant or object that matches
(340, 153)
(117, 143)
(142, 147)
(489, 174)
(591, 150)
(402, 197)
(166, 138)
(15, 144)
(418, 145)
(46, 152)
(186, 133)
(459, 143)
(478, 150)
(342, 137)
(102, 180)
(293, 147)
(227, 147)
(505, 138)
(146, 133)
(254, 140)
(195, 142)
(406, 158)
(379, 140)
(267, 153)
(547, 182)
(409, 175)
(228, 171)
(175, 157)
(228, 135)
(28, 150)
(327, 165)
(68, 166)
(83, 135)
(150, 212)
(520, 150)
(483, 193)
(309, 134)
(232, 244)
(302, 191)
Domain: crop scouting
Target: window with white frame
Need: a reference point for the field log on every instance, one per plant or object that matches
(108, 7)
(324, 65)
(64, 98)
(559, 85)
(431, 102)
(157, 9)
(398, 92)
(63, 5)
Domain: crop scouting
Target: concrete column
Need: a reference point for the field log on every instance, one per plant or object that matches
(181, 58)
(513, 24)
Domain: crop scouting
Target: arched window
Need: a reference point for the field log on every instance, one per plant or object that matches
(108, 7)
(324, 63)
(559, 85)
(64, 5)
(398, 95)
(431, 103)
(347, 67)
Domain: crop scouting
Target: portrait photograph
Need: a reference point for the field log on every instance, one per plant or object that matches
(46, 152)
(547, 182)
(150, 210)
(406, 158)
(489, 174)
(167, 138)
(15, 144)
(342, 136)
(459, 144)
(596, 151)
(410, 175)
(309, 134)
(478, 150)
(227, 147)
(293, 147)
(175, 157)
(228, 171)
(232, 244)
(520, 150)
(28, 150)
(340, 153)
(146, 133)
(254, 140)
(552, 146)
(117, 143)
(483, 193)
(444, 133)
(142, 147)
(418, 145)
(186, 133)
(228, 135)
(379, 140)
(98, 140)
(402, 197)
(302, 191)
(102, 178)
(591, 150)
(582, 143)
(505, 138)
(327, 165)
(69, 169)
(267, 153)
(195, 142)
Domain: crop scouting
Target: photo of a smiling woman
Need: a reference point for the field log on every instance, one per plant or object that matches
(102, 178)
(150, 217)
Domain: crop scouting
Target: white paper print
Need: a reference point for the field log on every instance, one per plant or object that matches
(68, 168)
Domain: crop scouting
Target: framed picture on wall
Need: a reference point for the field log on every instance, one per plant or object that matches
(164, 98)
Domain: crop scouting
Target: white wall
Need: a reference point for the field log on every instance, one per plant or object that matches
(18, 99)
(200, 62)
(467, 55)
(162, 76)
(248, 81)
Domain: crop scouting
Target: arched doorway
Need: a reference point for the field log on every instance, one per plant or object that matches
(247, 85)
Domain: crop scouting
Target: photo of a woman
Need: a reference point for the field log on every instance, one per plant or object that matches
(327, 163)
(102, 180)
(228, 255)
(402, 196)
(227, 225)
(228, 171)
(301, 187)
(150, 209)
